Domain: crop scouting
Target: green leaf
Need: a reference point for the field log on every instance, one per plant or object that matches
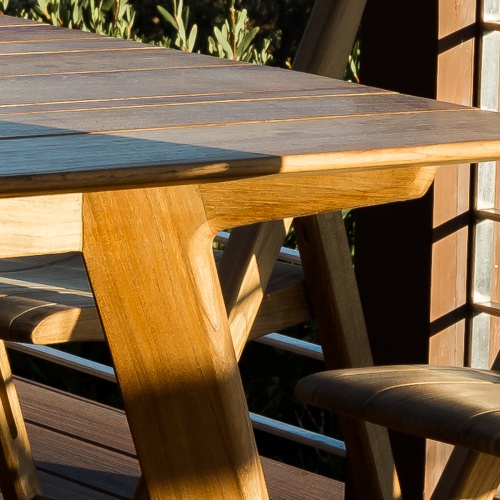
(43, 5)
(247, 40)
(40, 12)
(167, 16)
(75, 13)
(223, 42)
(182, 31)
(241, 21)
(192, 38)
(124, 7)
(108, 4)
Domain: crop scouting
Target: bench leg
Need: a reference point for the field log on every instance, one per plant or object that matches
(18, 475)
(468, 474)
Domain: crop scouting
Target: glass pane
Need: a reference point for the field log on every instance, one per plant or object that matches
(490, 58)
(480, 344)
(486, 178)
(483, 261)
(491, 10)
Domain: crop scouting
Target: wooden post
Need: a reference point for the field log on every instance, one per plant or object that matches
(411, 258)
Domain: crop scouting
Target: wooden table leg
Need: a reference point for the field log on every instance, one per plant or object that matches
(244, 272)
(337, 308)
(148, 254)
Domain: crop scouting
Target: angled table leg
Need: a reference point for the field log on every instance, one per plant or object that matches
(148, 254)
(336, 305)
(244, 272)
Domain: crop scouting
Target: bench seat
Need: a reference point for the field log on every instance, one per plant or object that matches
(47, 299)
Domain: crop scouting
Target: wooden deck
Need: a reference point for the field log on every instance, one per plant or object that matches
(83, 450)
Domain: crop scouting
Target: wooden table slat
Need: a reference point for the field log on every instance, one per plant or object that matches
(41, 32)
(70, 45)
(84, 62)
(104, 117)
(83, 105)
(180, 81)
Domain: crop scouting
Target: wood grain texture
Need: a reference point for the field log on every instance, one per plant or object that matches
(315, 132)
(30, 65)
(456, 79)
(190, 111)
(329, 272)
(18, 476)
(42, 225)
(468, 473)
(337, 308)
(330, 265)
(245, 202)
(282, 146)
(181, 79)
(329, 37)
(180, 373)
(285, 302)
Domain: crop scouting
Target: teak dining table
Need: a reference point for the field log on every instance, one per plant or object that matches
(160, 150)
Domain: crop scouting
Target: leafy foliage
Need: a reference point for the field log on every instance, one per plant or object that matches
(110, 17)
(235, 40)
(179, 20)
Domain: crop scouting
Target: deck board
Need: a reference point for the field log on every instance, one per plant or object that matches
(84, 451)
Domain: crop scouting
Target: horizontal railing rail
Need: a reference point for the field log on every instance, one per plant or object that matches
(259, 422)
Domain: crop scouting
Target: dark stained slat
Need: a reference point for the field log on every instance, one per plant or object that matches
(73, 45)
(41, 32)
(90, 443)
(178, 100)
(85, 62)
(76, 460)
(58, 488)
(79, 439)
(201, 80)
(7, 22)
(245, 109)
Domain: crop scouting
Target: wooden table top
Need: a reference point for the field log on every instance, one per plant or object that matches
(80, 112)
